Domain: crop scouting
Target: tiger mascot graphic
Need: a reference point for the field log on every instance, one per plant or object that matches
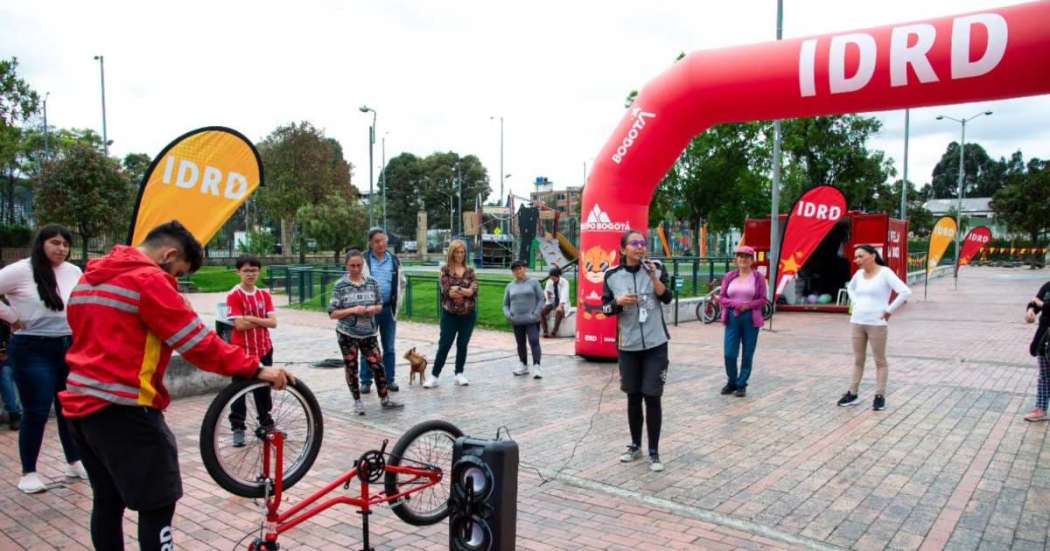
(595, 262)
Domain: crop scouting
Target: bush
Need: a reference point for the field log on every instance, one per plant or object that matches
(15, 235)
(259, 243)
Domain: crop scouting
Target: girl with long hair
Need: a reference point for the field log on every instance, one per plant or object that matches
(38, 289)
(869, 295)
(459, 298)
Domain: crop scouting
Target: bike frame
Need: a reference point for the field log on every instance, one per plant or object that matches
(278, 523)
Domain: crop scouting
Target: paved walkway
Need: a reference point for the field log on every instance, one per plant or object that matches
(950, 465)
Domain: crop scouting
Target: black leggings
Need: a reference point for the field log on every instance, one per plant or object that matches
(107, 530)
(653, 418)
(531, 333)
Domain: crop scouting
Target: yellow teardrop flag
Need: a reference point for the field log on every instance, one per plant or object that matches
(200, 179)
(942, 235)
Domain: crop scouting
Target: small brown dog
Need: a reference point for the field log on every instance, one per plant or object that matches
(418, 363)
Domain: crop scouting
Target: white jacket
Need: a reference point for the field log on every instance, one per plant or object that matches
(563, 292)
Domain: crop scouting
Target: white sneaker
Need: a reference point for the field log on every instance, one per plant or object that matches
(654, 463)
(76, 470)
(522, 370)
(30, 483)
(359, 407)
(537, 372)
(462, 380)
(632, 453)
(431, 382)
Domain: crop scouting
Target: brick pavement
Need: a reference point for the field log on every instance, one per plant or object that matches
(950, 465)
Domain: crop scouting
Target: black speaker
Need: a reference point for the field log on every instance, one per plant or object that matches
(483, 508)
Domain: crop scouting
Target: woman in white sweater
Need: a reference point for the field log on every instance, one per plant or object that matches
(870, 307)
(38, 289)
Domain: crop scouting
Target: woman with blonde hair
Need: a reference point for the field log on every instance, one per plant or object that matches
(459, 296)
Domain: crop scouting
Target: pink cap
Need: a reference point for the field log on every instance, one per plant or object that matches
(744, 249)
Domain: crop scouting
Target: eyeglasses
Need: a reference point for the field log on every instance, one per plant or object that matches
(638, 244)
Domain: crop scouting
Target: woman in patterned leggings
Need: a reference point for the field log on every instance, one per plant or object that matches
(1037, 307)
(356, 300)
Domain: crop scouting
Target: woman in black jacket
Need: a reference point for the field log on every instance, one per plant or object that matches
(1038, 348)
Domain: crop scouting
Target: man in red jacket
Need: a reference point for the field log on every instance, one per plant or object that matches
(127, 316)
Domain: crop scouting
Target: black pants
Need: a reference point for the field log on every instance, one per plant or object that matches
(653, 419)
(132, 462)
(531, 333)
(263, 403)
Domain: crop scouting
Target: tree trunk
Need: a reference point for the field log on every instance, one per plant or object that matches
(696, 236)
(286, 237)
(83, 250)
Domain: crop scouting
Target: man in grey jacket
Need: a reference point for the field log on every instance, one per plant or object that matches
(383, 266)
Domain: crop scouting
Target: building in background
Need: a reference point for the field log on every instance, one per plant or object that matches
(977, 209)
(565, 201)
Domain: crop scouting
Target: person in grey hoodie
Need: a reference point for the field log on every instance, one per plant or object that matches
(633, 292)
(522, 304)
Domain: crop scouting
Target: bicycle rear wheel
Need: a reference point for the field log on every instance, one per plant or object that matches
(767, 310)
(708, 311)
(427, 444)
(237, 466)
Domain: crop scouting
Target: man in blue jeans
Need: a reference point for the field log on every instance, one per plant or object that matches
(7, 386)
(385, 268)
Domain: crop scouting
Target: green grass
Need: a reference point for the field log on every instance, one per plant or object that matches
(217, 279)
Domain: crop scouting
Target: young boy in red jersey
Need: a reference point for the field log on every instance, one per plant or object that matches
(252, 313)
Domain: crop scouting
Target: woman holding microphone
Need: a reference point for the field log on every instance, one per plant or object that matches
(633, 292)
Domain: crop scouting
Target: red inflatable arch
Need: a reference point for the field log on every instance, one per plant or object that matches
(994, 54)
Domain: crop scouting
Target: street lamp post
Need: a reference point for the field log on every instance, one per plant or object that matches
(958, 209)
(102, 74)
(904, 184)
(501, 197)
(47, 133)
(774, 217)
(371, 143)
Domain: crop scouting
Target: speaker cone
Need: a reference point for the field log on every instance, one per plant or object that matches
(471, 533)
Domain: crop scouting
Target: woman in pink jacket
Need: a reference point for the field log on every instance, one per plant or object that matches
(742, 298)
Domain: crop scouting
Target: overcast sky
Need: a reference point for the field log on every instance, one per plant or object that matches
(435, 71)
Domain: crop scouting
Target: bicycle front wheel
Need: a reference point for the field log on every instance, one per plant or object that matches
(710, 311)
(233, 428)
(429, 443)
(767, 310)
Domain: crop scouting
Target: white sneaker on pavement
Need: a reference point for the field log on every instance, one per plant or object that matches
(462, 380)
(537, 372)
(431, 382)
(76, 470)
(522, 370)
(30, 483)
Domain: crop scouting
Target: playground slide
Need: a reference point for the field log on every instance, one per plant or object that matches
(567, 249)
(551, 250)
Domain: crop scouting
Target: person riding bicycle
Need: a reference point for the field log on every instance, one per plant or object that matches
(127, 316)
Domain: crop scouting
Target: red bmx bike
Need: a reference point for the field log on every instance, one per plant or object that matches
(257, 443)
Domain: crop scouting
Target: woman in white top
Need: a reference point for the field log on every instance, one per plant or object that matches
(870, 306)
(38, 289)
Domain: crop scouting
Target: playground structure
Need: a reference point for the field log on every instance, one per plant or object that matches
(994, 54)
(520, 231)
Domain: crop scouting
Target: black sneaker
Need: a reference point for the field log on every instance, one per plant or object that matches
(849, 399)
(387, 403)
(728, 389)
(366, 388)
(880, 403)
(392, 387)
(14, 421)
(741, 392)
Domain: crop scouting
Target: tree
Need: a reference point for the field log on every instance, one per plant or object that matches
(920, 220)
(335, 223)
(719, 179)
(982, 175)
(1024, 203)
(135, 166)
(303, 167)
(832, 151)
(85, 190)
(18, 103)
(430, 184)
